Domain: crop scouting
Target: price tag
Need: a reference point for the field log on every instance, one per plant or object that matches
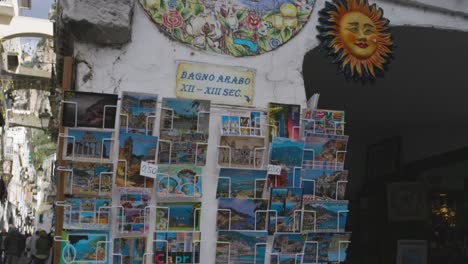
(274, 169)
(148, 169)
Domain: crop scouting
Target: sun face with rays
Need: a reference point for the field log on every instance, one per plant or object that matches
(357, 36)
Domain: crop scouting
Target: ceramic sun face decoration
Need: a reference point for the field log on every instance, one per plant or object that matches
(232, 27)
(357, 36)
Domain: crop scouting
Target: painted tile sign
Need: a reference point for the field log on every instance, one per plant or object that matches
(220, 84)
(232, 27)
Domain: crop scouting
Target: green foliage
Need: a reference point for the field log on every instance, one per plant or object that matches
(263, 43)
(186, 13)
(303, 16)
(241, 14)
(197, 8)
(286, 34)
(236, 50)
(177, 33)
(157, 17)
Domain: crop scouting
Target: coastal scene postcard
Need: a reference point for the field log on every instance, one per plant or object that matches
(325, 151)
(322, 184)
(84, 247)
(89, 214)
(178, 216)
(331, 215)
(138, 112)
(86, 179)
(242, 214)
(179, 181)
(286, 152)
(239, 247)
(241, 183)
(176, 247)
(332, 247)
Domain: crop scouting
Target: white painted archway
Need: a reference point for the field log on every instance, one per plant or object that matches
(21, 26)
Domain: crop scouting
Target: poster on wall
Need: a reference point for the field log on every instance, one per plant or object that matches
(236, 28)
(219, 83)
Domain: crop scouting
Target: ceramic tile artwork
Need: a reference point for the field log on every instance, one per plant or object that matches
(176, 247)
(133, 217)
(325, 151)
(138, 112)
(86, 179)
(88, 214)
(238, 247)
(241, 183)
(129, 250)
(89, 109)
(85, 144)
(179, 181)
(326, 247)
(84, 247)
(241, 151)
(178, 216)
(284, 120)
(324, 184)
(133, 149)
(241, 214)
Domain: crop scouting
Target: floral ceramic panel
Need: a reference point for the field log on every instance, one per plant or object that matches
(233, 27)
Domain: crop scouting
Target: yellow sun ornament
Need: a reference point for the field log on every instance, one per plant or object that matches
(357, 36)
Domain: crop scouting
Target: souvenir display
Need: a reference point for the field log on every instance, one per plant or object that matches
(286, 202)
(286, 152)
(134, 213)
(288, 177)
(324, 122)
(84, 247)
(88, 144)
(86, 179)
(89, 214)
(324, 184)
(134, 149)
(234, 28)
(357, 38)
(129, 250)
(242, 214)
(326, 247)
(82, 109)
(241, 151)
(176, 247)
(178, 216)
(138, 113)
(238, 247)
(241, 183)
(179, 181)
(331, 216)
(284, 120)
(325, 151)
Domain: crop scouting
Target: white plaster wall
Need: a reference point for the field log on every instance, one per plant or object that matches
(148, 64)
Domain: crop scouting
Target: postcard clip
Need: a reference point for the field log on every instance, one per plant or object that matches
(159, 150)
(230, 216)
(257, 245)
(196, 152)
(316, 243)
(104, 114)
(229, 249)
(198, 119)
(126, 121)
(64, 169)
(172, 115)
(62, 135)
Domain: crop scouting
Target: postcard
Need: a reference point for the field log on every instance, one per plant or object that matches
(133, 217)
(89, 214)
(185, 115)
(230, 125)
(86, 179)
(179, 181)
(88, 144)
(182, 247)
(286, 202)
(239, 247)
(289, 177)
(331, 215)
(288, 243)
(241, 151)
(242, 214)
(241, 183)
(183, 152)
(325, 151)
(245, 128)
(284, 120)
(322, 184)
(286, 152)
(331, 247)
(137, 113)
(277, 258)
(85, 248)
(134, 149)
(129, 250)
(82, 109)
(180, 216)
(326, 122)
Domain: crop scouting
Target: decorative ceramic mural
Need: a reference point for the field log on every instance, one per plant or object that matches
(356, 35)
(232, 27)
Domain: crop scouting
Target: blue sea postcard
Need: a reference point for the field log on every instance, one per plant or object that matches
(89, 214)
(277, 258)
(331, 215)
(332, 247)
(183, 247)
(185, 115)
(286, 152)
(133, 149)
(179, 181)
(241, 183)
(325, 151)
(137, 113)
(320, 184)
(88, 144)
(243, 246)
(129, 250)
(242, 214)
(85, 247)
(86, 179)
(288, 243)
(286, 202)
(178, 216)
